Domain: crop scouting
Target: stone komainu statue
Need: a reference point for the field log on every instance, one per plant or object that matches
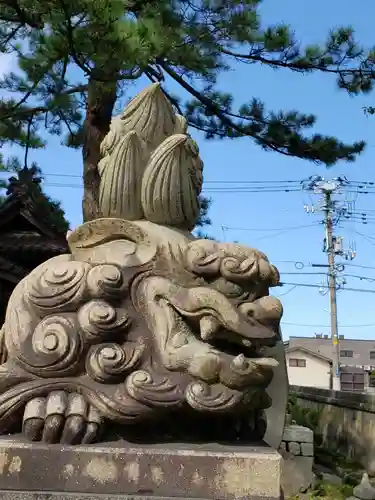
(145, 332)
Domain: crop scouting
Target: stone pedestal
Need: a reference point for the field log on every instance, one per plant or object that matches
(56, 472)
(297, 449)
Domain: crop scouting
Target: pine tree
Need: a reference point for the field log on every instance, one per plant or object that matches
(204, 219)
(112, 42)
(49, 210)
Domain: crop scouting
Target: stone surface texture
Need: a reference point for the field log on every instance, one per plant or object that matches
(298, 433)
(307, 449)
(144, 334)
(142, 319)
(148, 153)
(298, 440)
(294, 448)
(206, 472)
(296, 475)
(297, 449)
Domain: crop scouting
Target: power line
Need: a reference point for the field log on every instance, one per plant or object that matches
(290, 228)
(205, 190)
(245, 187)
(313, 285)
(286, 293)
(359, 265)
(316, 273)
(303, 273)
(366, 278)
(327, 326)
(356, 183)
(223, 181)
(301, 265)
(251, 183)
(273, 181)
(249, 191)
(367, 238)
(366, 235)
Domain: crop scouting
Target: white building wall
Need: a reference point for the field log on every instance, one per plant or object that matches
(316, 373)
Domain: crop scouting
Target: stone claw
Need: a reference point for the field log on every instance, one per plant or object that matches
(61, 418)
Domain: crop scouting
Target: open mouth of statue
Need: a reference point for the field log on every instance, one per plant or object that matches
(235, 349)
(210, 337)
(244, 361)
(249, 338)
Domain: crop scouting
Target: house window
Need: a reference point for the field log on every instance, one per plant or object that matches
(297, 362)
(346, 354)
(372, 354)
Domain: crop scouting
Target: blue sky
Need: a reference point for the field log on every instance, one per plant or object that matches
(261, 219)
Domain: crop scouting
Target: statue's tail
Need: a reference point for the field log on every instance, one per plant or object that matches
(121, 179)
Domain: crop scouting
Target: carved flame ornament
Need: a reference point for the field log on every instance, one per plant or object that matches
(142, 322)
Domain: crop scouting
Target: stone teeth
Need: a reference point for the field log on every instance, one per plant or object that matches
(271, 362)
(239, 361)
(208, 327)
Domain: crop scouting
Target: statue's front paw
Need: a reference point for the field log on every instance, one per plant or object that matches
(61, 418)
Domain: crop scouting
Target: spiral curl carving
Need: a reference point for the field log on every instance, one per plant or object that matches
(229, 289)
(54, 349)
(233, 262)
(205, 397)
(98, 320)
(206, 333)
(110, 362)
(153, 390)
(57, 287)
(104, 281)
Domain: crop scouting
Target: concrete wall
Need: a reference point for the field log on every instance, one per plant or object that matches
(346, 421)
(316, 373)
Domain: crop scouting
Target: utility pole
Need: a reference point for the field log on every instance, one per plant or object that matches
(332, 289)
(332, 211)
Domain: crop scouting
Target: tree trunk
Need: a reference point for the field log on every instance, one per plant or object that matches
(101, 98)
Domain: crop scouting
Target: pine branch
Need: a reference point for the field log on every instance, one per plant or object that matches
(340, 56)
(21, 16)
(18, 110)
(9, 37)
(215, 109)
(114, 41)
(284, 139)
(300, 66)
(70, 39)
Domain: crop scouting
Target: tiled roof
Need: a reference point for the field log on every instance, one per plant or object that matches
(361, 349)
(31, 242)
(307, 351)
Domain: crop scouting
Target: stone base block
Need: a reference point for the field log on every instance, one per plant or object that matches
(128, 471)
(297, 475)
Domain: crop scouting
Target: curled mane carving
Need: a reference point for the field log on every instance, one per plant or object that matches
(143, 322)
